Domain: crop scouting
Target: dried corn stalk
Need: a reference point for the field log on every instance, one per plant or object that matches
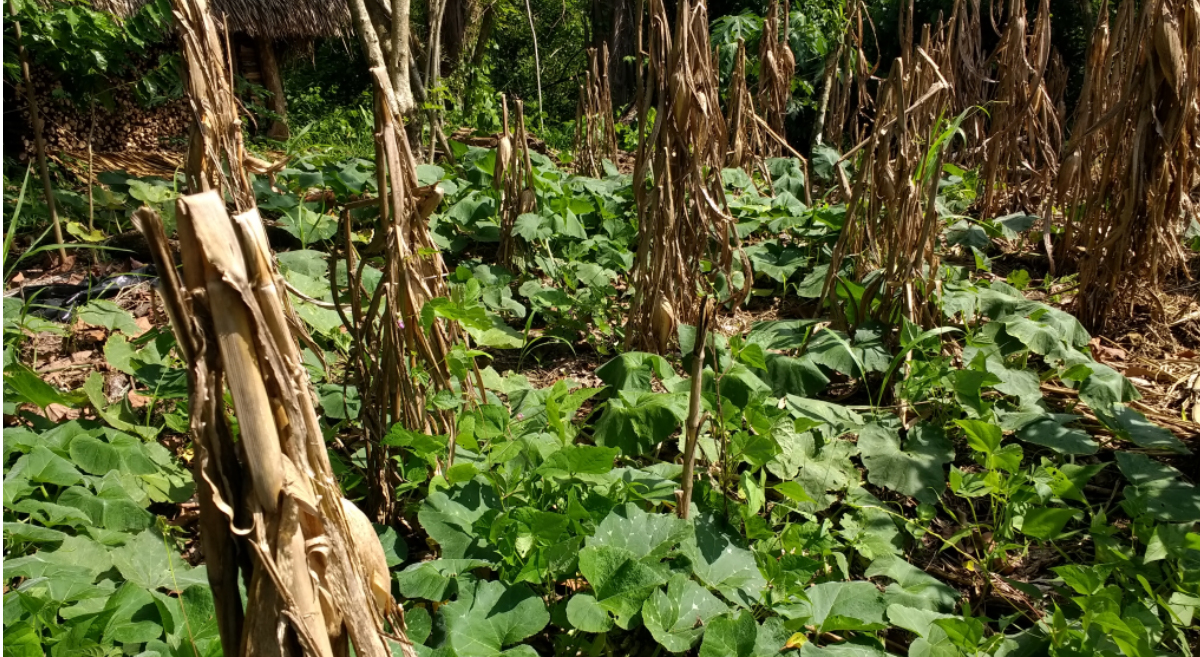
(1024, 133)
(595, 135)
(270, 507)
(396, 360)
(777, 66)
(1133, 157)
(514, 177)
(846, 112)
(682, 215)
(746, 139)
(891, 218)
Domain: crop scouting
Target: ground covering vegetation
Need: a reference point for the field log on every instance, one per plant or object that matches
(816, 330)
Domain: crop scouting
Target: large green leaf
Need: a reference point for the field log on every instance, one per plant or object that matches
(916, 469)
(487, 616)
(912, 586)
(834, 606)
(730, 636)
(620, 581)
(45, 467)
(722, 561)
(449, 517)
(585, 614)
(150, 562)
(1158, 489)
(633, 370)
(794, 376)
(676, 617)
(1133, 426)
(647, 536)
(436, 580)
(1047, 431)
(635, 422)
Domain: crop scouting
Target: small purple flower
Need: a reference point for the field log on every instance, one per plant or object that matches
(400, 324)
(520, 416)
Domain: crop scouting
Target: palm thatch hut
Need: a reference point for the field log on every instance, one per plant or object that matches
(258, 31)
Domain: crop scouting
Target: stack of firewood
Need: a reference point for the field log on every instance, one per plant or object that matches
(127, 125)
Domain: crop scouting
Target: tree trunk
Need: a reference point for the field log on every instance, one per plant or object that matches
(398, 71)
(369, 37)
(273, 81)
(622, 76)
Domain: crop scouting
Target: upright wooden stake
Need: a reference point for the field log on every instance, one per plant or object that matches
(39, 143)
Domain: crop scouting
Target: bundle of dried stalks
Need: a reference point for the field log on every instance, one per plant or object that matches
(595, 136)
(398, 355)
(891, 218)
(1020, 163)
(746, 139)
(682, 215)
(845, 112)
(777, 65)
(270, 509)
(1133, 156)
(513, 175)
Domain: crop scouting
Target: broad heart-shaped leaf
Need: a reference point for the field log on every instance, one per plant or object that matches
(1158, 490)
(1045, 523)
(1133, 426)
(109, 315)
(45, 467)
(489, 616)
(916, 620)
(776, 261)
(912, 586)
(636, 421)
(94, 456)
(676, 616)
(1048, 432)
(77, 558)
(620, 581)
(721, 560)
(793, 376)
(850, 650)
(633, 370)
(150, 562)
(917, 470)
(113, 509)
(834, 606)
(822, 466)
(449, 516)
(781, 334)
(436, 580)
(307, 225)
(585, 614)
(647, 536)
(730, 635)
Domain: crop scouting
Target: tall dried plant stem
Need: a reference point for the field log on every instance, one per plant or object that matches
(683, 497)
(537, 67)
(682, 216)
(39, 143)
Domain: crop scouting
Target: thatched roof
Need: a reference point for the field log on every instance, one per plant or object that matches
(277, 19)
